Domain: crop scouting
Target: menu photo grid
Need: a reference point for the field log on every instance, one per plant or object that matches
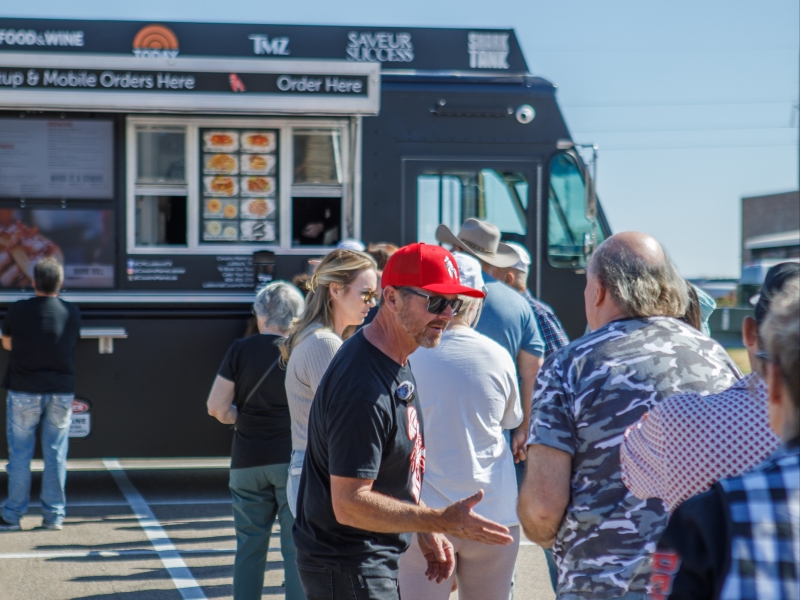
(239, 184)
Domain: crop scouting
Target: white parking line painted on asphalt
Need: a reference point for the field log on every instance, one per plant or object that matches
(112, 553)
(169, 555)
(188, 501)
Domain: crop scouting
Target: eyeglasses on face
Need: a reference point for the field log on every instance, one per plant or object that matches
(368, 296)
(437, 304)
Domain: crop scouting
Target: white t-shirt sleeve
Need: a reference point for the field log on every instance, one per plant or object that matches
(512, 417)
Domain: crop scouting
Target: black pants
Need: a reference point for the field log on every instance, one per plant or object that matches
(322, 583)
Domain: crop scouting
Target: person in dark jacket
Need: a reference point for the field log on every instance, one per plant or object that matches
(41, 334)
(250, 392)
(741, 539)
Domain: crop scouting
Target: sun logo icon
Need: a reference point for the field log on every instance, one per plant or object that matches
(155, 41)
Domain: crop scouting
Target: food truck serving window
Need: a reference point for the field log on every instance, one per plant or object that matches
(217, 186)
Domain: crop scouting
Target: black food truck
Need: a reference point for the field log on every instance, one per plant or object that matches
(175, 167)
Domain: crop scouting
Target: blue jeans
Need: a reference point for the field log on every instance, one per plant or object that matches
(293, 485)
(24, 411)
(259, 495)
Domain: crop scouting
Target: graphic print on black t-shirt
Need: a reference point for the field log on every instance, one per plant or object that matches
(417, 459)
(263, 428)
(359, 427)
(44, 331)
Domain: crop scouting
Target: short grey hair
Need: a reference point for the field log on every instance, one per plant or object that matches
(48, 275)
(640, 288)
(280, 303)
(781, 332)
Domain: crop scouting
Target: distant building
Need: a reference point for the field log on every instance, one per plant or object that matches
(770, 228)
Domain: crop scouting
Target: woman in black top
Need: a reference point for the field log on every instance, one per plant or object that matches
(249, 392)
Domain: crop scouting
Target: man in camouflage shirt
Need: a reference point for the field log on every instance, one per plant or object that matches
(587, 394)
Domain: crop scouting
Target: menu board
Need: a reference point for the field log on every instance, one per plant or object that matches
(80, 239)
(239, 182)
(59, 158)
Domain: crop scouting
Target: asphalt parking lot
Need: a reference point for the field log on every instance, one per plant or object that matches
(156, 530)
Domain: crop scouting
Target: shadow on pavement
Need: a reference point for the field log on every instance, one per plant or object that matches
(190, 525)
(144, 594)
(216, 591)
(135, 544)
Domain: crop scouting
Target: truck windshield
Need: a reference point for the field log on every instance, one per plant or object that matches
(569, 232)
(452, 196)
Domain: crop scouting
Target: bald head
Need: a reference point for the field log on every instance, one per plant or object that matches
(638, 244)
(639, 276)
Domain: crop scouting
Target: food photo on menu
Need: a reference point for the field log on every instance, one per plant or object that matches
(258, 231)
(220, 230)
(220, 185)
(81, 240)
(257, 164)
(258, 186)
(220, 141)
(216, 208)
(259, 141)
(258, 208)
(220, 164)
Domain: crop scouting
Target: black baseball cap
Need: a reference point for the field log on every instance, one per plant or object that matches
(776, 277)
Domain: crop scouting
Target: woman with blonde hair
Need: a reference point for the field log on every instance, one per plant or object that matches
(340, 294)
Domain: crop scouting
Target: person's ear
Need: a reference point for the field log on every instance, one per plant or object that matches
(337, 290)
(750, 333)
(508, 277)
(391, 298)
(599, 295)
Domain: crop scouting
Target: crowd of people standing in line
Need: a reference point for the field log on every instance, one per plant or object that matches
(409, 455)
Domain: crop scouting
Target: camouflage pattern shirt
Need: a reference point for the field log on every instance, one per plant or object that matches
(585, 397)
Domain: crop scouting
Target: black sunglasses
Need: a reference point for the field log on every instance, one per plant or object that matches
(437, 304)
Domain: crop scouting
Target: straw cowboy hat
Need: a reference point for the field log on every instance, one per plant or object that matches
(482, 240)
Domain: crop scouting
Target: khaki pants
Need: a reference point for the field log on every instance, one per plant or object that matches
(483, 572)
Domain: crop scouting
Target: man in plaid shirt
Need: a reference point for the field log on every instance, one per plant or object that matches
(741, 539)
(517, 277)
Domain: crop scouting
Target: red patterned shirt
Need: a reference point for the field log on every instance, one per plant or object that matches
(688, 442)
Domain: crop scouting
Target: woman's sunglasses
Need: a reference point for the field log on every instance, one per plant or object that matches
(437, 304)
(368, 295)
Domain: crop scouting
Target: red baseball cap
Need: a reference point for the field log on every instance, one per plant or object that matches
(425, 266)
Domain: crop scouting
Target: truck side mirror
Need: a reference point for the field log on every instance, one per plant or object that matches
(591, 199)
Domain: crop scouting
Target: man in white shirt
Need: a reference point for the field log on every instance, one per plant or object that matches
(468, 395)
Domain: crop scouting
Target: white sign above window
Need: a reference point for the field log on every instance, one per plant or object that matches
(488, 50)
(380, 46)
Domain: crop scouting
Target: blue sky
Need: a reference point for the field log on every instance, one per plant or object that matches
(691, 103)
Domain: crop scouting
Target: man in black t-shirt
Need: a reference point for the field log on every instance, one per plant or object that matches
(359, 494)
(41, 334)
(250, 392)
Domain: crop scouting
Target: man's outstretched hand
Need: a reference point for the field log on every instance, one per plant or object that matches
(439, 554)
(459, 520)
